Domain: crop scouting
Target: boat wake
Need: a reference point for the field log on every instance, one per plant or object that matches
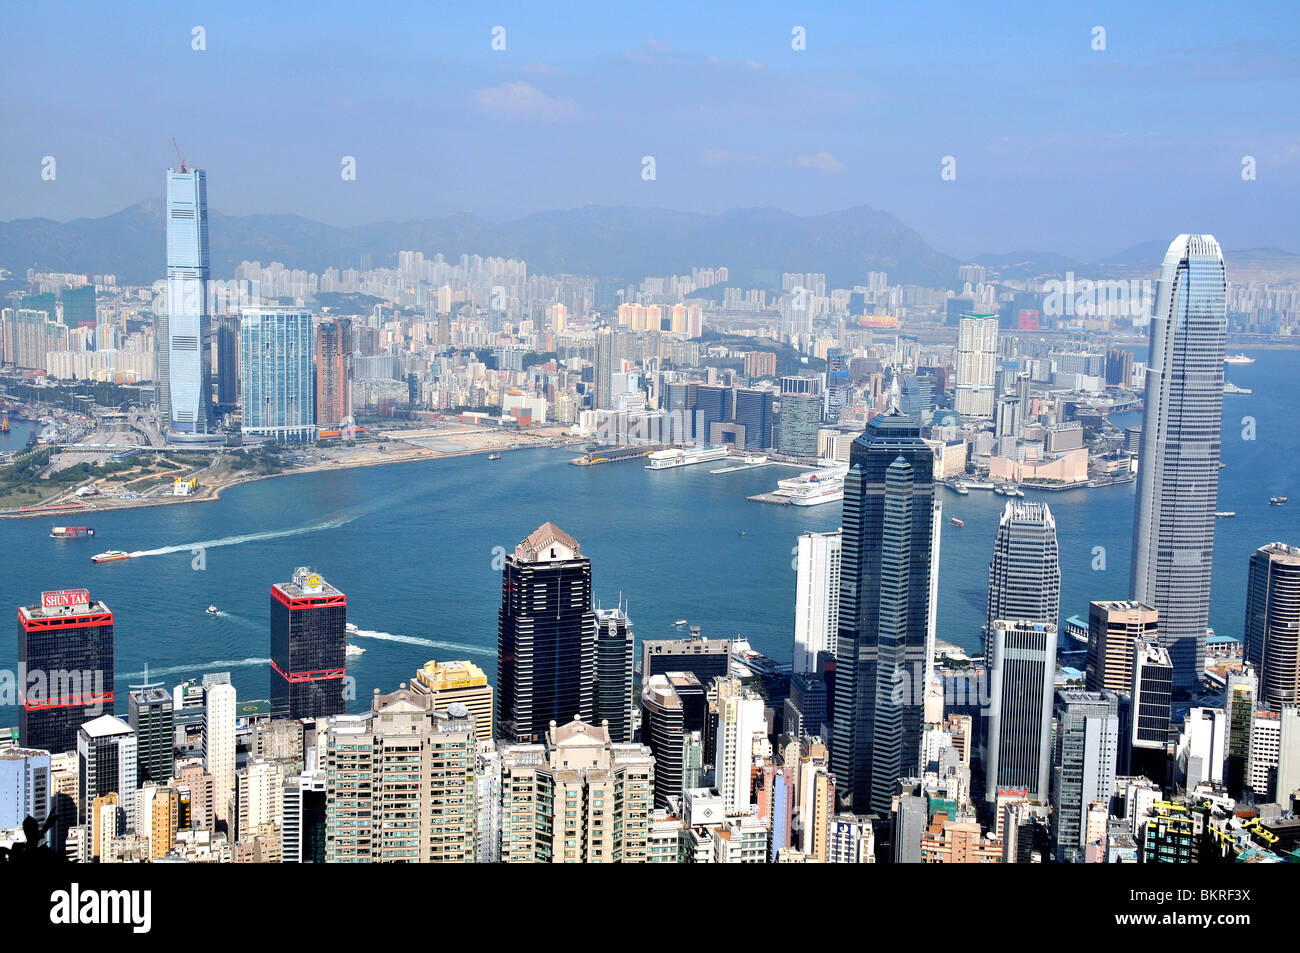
(217, 666)
(417, 640)
(246, 538)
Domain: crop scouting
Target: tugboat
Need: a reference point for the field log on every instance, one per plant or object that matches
(111, 556)
(1277, 501)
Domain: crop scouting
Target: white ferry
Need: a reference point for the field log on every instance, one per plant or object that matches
(679, 457)
(1238, 359)
(813, 488)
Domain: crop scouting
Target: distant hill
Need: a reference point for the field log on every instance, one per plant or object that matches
(613, 242)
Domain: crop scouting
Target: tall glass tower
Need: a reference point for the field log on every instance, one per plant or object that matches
(1025, 572)
(183, 335)
(887, 579)
(1178, 476)
(546, 637)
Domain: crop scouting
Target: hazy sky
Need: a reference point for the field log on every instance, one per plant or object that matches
(1057, 146)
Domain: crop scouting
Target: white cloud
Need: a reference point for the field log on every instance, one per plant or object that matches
(822, 162)
(523, 100)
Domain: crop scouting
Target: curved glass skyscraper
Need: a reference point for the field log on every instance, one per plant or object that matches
(1178, 467)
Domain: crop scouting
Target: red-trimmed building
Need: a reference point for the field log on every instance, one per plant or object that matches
(65, 665)
(308, 647)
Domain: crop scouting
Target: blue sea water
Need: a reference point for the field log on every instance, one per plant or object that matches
(417, 546)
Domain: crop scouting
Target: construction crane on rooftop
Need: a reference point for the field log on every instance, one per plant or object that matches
(178, 155)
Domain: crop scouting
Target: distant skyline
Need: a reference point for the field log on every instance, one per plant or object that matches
(1058, 147)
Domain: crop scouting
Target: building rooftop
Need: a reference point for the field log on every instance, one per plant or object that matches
(106, 726)
(548, 538)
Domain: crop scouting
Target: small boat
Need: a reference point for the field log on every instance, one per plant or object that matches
(350, 628)
(1277, 501)
(956, 522)
(1000, 490)
(681, 622)
(494, 456)
(742, 533)
(961, 489)
(111, 556)
(1225, 514)
(354, 650)
(70, 532)
(212, 610)
(1238, 359)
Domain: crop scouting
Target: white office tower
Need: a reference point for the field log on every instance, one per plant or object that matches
(219, 745)
(1025, 571)
(1178, 472)
(258, 800)
(1201, 747)
(816, 598)
(304, 805)
(977, 345)
(1265, 751)
(740, 718)
(852, 840)
(1288, 759)
(106, 764)
(487, 794)
(1022, 674)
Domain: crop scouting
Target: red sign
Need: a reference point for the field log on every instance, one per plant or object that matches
(65, 597)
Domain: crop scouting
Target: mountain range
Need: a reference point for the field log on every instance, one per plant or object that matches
(610, 242)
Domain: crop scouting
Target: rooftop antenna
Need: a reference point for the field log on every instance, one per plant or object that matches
(178, 154)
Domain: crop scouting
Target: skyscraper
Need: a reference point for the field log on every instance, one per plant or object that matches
(615, 655)
(1025, 572)
(67, 641)
(333, 363)
(546, 636)
(219, 745)
(604, 369)
(1022, 672)
(106, 753)
(887, 568)
(183, 334)
(150, 715)
(275, 368)
(1114, 628)
(459, 682)
(1272, 632)
(673, 706)
(798, 423)
(308, 647)
(1152, 693)
(740, 718)
(1178, 477)
(1086, 742)
(816, 598)
(977, 345)
(755, 411)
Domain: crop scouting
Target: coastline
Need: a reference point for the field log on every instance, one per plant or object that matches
(412, 454)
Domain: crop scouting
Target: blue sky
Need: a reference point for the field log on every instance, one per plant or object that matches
(1057, 146)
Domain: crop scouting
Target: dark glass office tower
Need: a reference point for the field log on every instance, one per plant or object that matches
(65, 655)
(1178, 476)
(149, 713)
(886, 579)
(672, 706)
(614, 660)
(308, 647)
(756, 410)
(546, 637)
(713, 405)
(226, 331)
(1272, 631)
(1153, 688)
